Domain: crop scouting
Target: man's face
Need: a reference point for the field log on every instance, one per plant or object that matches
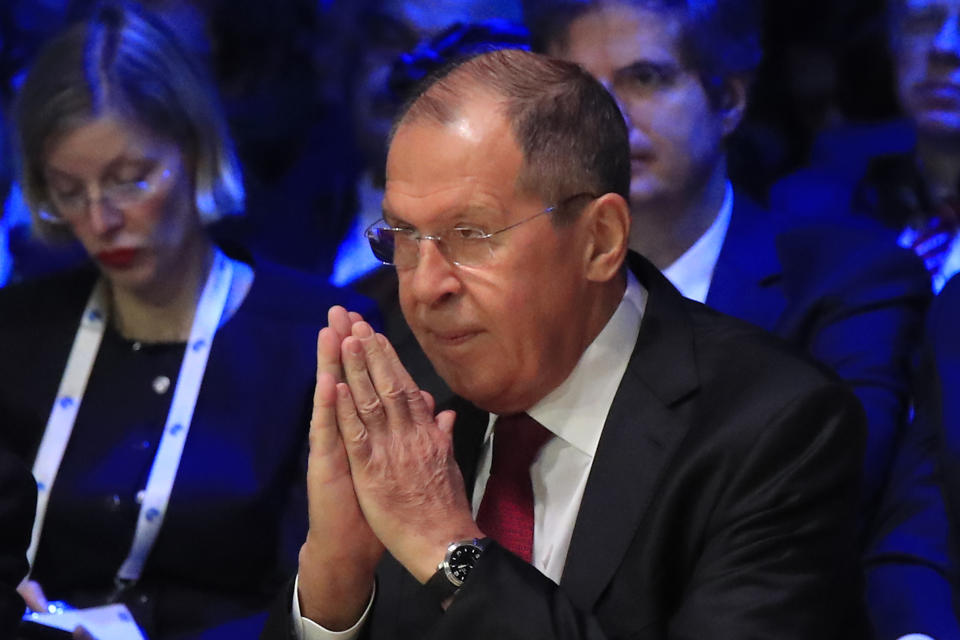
(927, 50)
(505, 334)
(676, 137)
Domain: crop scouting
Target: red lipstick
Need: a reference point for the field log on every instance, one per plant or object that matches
(117, 258)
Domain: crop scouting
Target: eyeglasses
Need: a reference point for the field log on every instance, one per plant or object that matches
(66, 207)
(462, 245)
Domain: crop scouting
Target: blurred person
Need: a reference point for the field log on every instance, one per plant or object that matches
(913, 190)
(937, 455)
(912, 559)
(680, 72)
(290, 138)
(917, 193)
(169, 474)
(622, 462)
(911, 556)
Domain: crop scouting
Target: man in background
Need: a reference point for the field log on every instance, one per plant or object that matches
(681, 72)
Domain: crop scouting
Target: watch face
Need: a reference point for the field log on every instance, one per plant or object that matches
(462, 560)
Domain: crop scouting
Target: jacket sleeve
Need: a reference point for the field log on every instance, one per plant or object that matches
(870, 298)
(909, 565)
(777, 559)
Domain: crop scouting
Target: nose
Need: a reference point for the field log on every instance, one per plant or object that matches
(434, 280)
(946, 44)
(103, 217)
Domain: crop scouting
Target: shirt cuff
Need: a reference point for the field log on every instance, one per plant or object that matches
(307, 629)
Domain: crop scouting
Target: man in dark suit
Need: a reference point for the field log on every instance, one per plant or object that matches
(18, 498)
(938, 420)
(623, 463)
(913, 552)
(904, 174)
(841, 292)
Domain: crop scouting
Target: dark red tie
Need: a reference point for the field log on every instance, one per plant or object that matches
(506, 511)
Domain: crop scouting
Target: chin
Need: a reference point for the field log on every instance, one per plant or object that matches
(138, 279)
(646, 190)
(477, 389)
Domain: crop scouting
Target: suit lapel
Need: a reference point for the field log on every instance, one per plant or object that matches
(638, 436)
(747, 278)
(468, 435)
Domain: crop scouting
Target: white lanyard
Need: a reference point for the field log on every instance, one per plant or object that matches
(86, 344)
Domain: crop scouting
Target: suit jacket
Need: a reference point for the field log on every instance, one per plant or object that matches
(912, 557)
(720, 504)
(842, 291)
(18, 497)
(939, 407)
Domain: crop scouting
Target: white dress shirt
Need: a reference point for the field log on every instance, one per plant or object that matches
(692, 272)
(575, 413)
(950, 265)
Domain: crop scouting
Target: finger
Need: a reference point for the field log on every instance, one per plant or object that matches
(328, 353)
(82, 634)
(393, 384)
(394, 361)
(33, 595)
(338, 319)
(351, 426)
(428, 398)
(420, 404)
(323, 420)
(445, 421)
(355, 317)
(368, 403)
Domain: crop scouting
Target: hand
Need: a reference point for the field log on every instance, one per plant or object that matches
(82, 634)
(338, 559)
(32, 594)
(401, 458)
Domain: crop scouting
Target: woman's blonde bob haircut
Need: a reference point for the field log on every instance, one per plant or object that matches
(125, 63)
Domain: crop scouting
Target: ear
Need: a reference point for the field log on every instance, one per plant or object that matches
(733, 102)
(608, 227)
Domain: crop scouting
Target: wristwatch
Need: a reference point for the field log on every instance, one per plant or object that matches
(459, 561)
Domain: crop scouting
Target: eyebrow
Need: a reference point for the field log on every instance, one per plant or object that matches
(665, 67)
(391, 219)
(113, 165)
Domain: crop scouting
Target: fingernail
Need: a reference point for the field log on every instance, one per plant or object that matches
(362, 330)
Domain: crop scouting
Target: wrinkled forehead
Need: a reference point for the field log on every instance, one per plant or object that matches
(468, 135)
(435, 168)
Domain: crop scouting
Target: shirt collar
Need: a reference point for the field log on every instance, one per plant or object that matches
(692, 272)
(576, 410)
